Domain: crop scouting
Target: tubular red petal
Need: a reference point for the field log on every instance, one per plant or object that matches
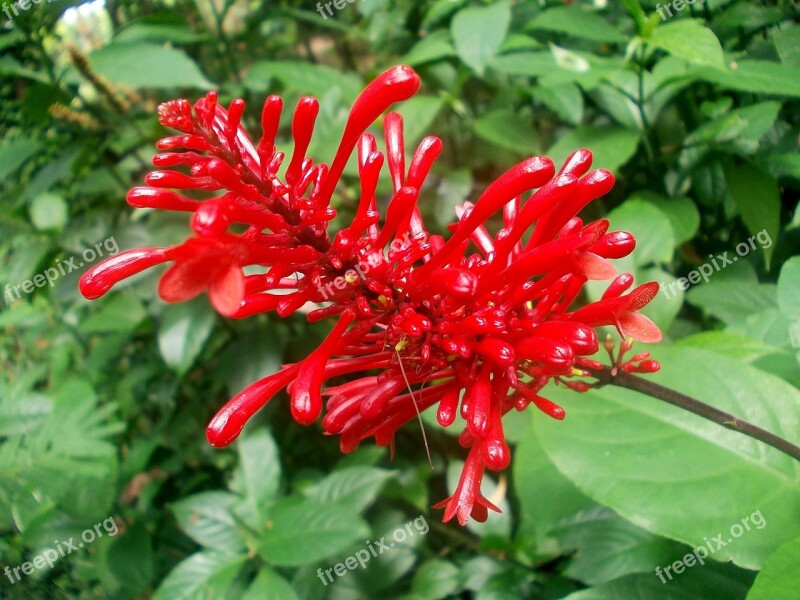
(306, 400)
(394, 85)
(305, 115)
(229, 421)
(101, 278)
(448, 407)
(395, 148)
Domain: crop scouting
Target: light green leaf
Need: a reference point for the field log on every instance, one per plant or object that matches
(565, 100)
(122, 312)
(666, 469)
(202, 576)
(353, 487)
(731, 301)
(655, 240)
(268, 585)
(787, 43)
(304, 531)
(436, 579)
(681, 212)
(431, 48)
(695, 583)
(505, 129)
(257, 478)
(611, 145)
(49, 211)
(478, 33)
(577, 22)
(757, 76)
(14, 154)
(419, 113)
(207, 519)
(789, 288)
(183, 332)
(607, 546)
(145, 65)
(757, 195)
(303, 78)
(780, 575)
(690, 40)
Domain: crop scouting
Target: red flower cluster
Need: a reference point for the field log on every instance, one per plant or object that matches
(476, 324)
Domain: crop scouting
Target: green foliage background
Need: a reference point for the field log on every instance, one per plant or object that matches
(103, 405)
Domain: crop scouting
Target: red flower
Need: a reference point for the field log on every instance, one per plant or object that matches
(477, 324)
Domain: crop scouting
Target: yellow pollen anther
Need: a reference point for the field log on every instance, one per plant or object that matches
(401, 344)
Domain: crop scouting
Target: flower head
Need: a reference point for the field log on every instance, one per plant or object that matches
(476, 325)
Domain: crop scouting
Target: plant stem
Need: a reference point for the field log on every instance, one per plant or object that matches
(615, 376)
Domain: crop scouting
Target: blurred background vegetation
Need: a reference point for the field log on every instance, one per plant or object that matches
(103, 405)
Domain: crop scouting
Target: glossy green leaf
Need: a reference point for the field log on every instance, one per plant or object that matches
(121, 312)
(611, 145)
(757, 195)
(666, 469)
(258, 476)
(779, 577)
(690, 40)
(207, 519)
(577, 22)
(789, 288)
(353, 487)
(431, 48)
(436, 579)
(303, 78)
(757, 76)
(478, 33)
(301, 532)
(504, 129)
(269, 585)
(49, 211)
(183, 332)
(202, 576)
(145, 65)
(607, 546)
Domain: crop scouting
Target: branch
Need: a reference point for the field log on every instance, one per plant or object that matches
(615, 376)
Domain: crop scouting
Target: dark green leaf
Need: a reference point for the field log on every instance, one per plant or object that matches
(184, 330)
(207, 518)
(478, 33)
(577, 22)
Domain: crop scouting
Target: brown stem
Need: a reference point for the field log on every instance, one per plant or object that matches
(615, 376)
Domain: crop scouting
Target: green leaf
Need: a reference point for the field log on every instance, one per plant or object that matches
(545, 495)
(268, 585)
(667, 470)
(727, 343)
(778, 579)
(789, 288)
(183, 332)
(710, 581)
(608, 546)
(14, 154)
(504, 129)
(681, 212)
(478, 34)
(130, 559)
(258, 476)
(757, 195)
(302, 78)
(419, 113)
(158, 30)
(757, 76)
(787, 43)
(750, 124)
(655, 240)
(49, 211)
(144, 65)
(122, 312)
(611, 145)
(202, 576)
(690, 40)
(208, 520)
(304, 531)
(431, 48)
(352, 487)
(565, 100)
(436, 579)
(576, 22)
(731, 301)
